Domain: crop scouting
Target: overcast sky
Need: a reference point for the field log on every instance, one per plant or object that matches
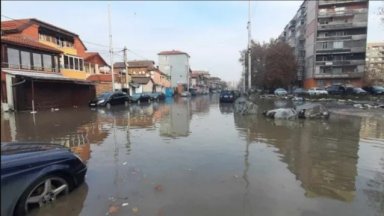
(212, 33)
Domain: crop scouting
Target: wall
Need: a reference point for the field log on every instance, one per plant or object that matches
(103, 87)
(74, 74)
(310, 40)
(178, 70)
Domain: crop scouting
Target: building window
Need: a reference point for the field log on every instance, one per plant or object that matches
(71, 63)
(47, 61)
(81, 64)
(324, 45)
(76, 64)
(25, 60)
(338, 44)
(66, 62)
(37, 64)
(13, 57)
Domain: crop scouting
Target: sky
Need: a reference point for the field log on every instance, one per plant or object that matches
(212, 32)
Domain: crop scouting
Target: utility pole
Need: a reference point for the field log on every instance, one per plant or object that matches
(249, 46)
(126, 66)
(110, 47)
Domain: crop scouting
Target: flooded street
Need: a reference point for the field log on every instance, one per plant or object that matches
(196, 157)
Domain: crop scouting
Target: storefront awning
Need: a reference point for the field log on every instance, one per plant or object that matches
(45, 76)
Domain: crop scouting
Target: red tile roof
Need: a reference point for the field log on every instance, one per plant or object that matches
(173, 52)
(100, 77)
(25, 41)
(20, 24)
(141, 80)
(89, 55)
(14, 24)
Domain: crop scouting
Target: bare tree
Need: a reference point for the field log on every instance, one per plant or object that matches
(273, 64)
(280, 65)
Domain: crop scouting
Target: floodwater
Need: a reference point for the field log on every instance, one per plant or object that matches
(196, 157)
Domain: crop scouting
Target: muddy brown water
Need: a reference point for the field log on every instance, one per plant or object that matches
(196, 157)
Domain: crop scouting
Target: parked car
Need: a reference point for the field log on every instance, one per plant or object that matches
(336, 90)
(355, 91)
(375, 90)
(280, 92)
(35, 174)
(227, 96)
(317, 91)
(140, 97)
(157, 96)
(110, 98)
(300, 92)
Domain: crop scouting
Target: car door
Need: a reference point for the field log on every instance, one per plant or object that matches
(114, 99)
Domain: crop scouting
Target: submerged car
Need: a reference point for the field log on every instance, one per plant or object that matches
(336, 90)
(228, 96)
(157, 96)
(35, 174)
(280, 92)
(110, 98)
(355, 91)
(140, 97)
(375, 90)
(317, 91)
(300, 92)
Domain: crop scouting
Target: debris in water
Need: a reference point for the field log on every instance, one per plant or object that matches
(159, 188)
(135, 210)
(113, 209)
(124, 204)
(125, 163)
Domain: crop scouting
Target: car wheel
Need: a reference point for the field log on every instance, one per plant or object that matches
(42, 192)
(108, 105)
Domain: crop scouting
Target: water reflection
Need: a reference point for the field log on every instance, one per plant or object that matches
(176, 124)
(322, 155)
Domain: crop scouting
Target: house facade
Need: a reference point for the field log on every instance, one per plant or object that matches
(31, 78)
(175, 64)
(75, 61)
(141, 85)
(145, 68)
(32, 70)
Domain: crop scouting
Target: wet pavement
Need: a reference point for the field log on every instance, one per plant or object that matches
(196, 157)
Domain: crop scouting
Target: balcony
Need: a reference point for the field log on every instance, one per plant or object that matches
(344, 13)
(29, 68)
(340, 75)
(342, 37)
(336, 2)
(340, 62)
(341, 25)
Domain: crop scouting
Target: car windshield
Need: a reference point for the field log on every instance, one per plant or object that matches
(104, 95)
(379, 88)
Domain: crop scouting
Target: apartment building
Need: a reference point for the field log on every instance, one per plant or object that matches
(329, 38)
(375, 63)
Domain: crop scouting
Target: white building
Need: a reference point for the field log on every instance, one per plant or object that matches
(176, 65)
